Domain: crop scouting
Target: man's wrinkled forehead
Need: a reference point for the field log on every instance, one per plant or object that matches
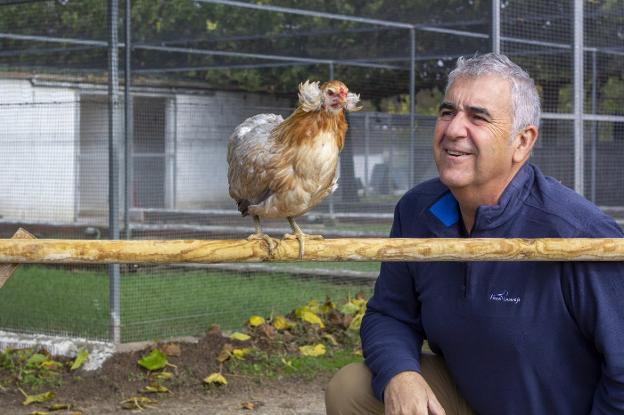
(489, 93)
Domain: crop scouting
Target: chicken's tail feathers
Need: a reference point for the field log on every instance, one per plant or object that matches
(243, 206)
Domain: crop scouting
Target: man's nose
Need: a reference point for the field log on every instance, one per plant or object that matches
(458, 126)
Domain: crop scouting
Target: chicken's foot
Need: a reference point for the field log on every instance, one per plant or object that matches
(299, 235)
(261, 235)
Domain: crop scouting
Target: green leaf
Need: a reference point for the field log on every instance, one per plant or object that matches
(349, 308)
(80, 360)
(36, 360)
(153, 361)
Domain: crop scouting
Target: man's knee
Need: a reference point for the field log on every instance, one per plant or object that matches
(350, 392)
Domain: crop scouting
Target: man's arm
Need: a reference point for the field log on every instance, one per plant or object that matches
(595, 294)
(391, 331)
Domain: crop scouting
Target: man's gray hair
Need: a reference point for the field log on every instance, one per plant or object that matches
(525, 102)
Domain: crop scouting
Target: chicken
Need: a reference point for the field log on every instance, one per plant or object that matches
(283, 168)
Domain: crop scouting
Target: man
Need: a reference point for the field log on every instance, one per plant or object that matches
(508, 337)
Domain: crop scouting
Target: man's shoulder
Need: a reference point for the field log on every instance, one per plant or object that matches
(424, 194)
(568, 210)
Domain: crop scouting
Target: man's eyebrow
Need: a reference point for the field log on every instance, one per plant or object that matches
(447, 106)
(480, 111)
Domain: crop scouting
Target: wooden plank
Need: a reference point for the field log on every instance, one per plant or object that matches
(7, 270)
(56, 251)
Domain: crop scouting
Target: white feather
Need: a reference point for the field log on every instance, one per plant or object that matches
(352, 101)
(310, 96)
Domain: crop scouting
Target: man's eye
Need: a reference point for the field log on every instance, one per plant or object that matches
(446, 113)
(330, 93)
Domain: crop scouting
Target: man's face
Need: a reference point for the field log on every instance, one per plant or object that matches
(471, 146)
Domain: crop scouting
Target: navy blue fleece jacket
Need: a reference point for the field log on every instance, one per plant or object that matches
(518, 337)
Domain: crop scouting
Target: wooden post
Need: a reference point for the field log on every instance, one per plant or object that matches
(7, 270)
(58, 251)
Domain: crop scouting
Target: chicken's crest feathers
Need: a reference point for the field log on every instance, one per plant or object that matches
(352, 101)
(310, 96)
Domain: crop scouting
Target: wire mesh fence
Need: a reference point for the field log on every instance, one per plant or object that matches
(197, 70)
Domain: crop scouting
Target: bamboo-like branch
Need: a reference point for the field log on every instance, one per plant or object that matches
(58, 251)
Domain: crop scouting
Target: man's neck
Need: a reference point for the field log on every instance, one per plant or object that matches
(471, 197)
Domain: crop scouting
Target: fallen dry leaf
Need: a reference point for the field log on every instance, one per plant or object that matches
(59, 407)
(214, 330)
(312, 318)
(138, 402)
(215, 379)
(225, 353)
(172, 349)
(42, 397)
(269, 331)
(312, 350)
(156, 388)
(331, 339)
(255, 321)
(240, 336)
(251, 405)
(241, 353)
(281, 323)
(162, 376)
(248, 405)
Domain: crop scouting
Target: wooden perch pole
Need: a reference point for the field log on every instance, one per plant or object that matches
(57, 251)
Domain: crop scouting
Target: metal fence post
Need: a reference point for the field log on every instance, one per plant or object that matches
(495, 35)
(113, 164)
(579, 180)
(128, 119)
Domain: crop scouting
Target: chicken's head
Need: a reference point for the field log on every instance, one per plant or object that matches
(335, 97)
(332, 96)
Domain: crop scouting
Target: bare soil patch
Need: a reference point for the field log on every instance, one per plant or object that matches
(120, 378)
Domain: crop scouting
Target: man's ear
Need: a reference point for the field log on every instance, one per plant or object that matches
(523, 143)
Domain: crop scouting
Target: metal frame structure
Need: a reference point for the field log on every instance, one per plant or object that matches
(397, 63)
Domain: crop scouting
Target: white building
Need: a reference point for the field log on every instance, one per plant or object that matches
(54, 147)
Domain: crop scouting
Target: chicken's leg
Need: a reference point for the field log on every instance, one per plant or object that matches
(261, 235)
(298, 234)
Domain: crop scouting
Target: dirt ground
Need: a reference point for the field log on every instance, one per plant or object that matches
(120, 378)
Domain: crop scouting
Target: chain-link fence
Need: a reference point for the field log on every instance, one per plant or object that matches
(197, 69)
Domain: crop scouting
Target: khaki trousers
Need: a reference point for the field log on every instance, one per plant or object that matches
(350, 393)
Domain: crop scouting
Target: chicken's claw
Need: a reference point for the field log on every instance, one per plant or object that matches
(301, 237)
(272, 244)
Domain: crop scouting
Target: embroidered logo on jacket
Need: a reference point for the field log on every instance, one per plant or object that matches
(503, 297)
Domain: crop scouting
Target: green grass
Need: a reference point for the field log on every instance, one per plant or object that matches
(273, 366)
(155, 304)
(351, 266)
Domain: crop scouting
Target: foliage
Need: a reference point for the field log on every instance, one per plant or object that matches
(222, 29)
(299, 343)
(155, 360)
(30, 367)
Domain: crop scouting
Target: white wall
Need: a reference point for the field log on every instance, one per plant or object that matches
(203, 126)
(53, 151)
(37, 153)
(93, 155)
